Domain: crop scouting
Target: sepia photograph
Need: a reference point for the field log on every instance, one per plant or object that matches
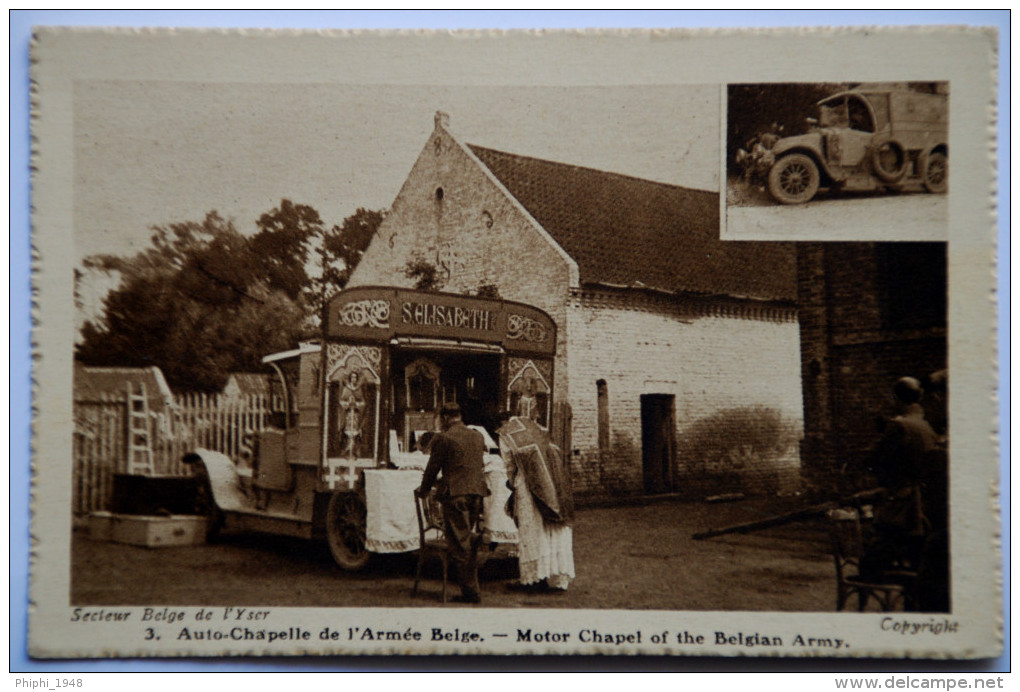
(806, 160)
(373, 365)
(289, 380)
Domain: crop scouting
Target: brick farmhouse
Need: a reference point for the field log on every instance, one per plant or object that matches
(678, 355)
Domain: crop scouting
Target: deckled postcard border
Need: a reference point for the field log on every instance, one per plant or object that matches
(964, 57)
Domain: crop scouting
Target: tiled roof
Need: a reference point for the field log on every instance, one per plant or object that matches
(632, 232)
(249, 383)
(93, 384)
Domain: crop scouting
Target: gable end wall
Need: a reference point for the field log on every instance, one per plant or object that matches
(476, 235)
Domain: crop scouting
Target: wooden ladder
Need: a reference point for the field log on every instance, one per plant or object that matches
(139, 442)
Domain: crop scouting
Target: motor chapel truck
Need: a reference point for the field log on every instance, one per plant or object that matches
(861, 140)
(343, 455)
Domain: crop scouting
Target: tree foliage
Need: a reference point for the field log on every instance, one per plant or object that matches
(281, 246)
(488, 290)
(781, 108)
(195, 304)
(203, 300)
(425, 273)
(341, 250)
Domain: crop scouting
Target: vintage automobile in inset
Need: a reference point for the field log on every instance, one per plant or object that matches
(861, 140)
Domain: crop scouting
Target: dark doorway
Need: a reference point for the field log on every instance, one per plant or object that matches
(425, 379)
(658, 441)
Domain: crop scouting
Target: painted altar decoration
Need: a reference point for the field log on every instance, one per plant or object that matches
(352, 390)
(528, 389)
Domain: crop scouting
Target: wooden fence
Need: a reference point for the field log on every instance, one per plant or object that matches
(223, 424)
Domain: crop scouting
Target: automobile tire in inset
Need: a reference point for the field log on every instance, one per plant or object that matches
(793, 179)
(889, 162)
(346, 521)
(936, 172)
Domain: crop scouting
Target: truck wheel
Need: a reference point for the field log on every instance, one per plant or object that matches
(889, 162)
(793, 179)
(936, 173)
(345, 530)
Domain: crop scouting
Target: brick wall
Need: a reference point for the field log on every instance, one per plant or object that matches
(476, 234)
(726, 370)
(713, 357)
(870, 313)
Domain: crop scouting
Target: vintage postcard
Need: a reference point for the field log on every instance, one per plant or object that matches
(514, 343)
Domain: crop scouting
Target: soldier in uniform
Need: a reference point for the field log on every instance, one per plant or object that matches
(457, 452)
(898, 464)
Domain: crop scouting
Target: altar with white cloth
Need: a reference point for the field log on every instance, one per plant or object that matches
(392, 526)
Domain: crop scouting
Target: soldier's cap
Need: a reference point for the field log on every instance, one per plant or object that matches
(450, 410)
(908, 390)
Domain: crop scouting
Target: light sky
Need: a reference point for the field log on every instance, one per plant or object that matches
(149, 153)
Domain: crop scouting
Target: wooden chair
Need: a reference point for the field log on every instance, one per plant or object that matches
(847, 549)
(432, 536)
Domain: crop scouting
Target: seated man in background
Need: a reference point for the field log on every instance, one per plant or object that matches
(898, 464)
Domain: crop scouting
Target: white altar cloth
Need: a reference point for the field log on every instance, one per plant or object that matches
(392, 526)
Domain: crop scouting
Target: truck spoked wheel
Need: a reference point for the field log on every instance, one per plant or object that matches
(345, 530)
(793, 179)
(936, 173)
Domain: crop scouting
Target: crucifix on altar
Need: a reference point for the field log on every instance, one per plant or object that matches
(337, 473)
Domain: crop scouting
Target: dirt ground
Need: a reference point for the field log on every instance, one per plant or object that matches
(909, 215)
(635, 557)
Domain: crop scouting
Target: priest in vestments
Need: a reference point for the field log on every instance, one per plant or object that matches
(541, 504)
